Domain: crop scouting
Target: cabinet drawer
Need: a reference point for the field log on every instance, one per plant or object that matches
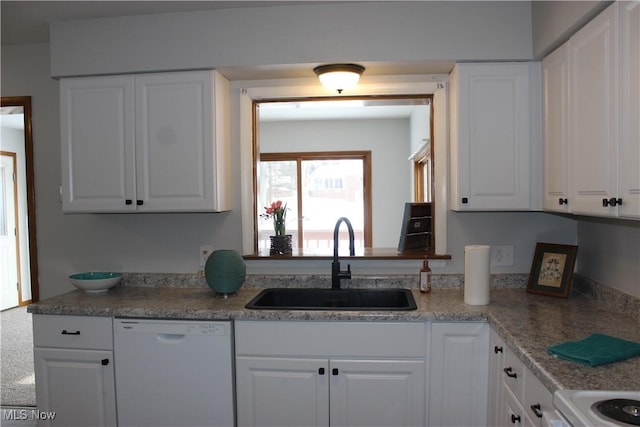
(338, 339)
(73, 332)
(513, 374)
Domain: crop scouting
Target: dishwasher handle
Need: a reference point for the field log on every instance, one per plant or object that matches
(170, 338)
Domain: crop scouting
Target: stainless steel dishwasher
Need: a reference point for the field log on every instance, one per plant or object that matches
(173, 373)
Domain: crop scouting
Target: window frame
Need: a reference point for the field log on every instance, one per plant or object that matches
(299, 157)
(251, 92)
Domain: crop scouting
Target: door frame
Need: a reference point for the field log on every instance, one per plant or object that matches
(25, 103)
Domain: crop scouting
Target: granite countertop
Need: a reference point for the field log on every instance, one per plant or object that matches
(528, 323)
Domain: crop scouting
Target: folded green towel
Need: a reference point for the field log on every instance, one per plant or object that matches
(595, 350)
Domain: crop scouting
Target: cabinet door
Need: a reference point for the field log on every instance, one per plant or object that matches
(555, 78)
(537, 399)
(513, 414)
(593, 122)
(282, 392)
(496, 393)
(97, 137)
(629, 138)
(377, 393)
(492, 144)
(78, 385)
(458, 374)
(174, 141)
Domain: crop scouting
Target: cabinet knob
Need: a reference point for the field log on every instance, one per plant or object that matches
(515, 418)
(611, 202)
(105, 362)
(510, 373)
(465, 200)
(497, 349)
(128, 202)
(334, 371)
(139, 202)
(321, 371)
(536, 410)
(562, 201)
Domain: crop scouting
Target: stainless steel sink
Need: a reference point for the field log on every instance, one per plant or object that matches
(332, 299)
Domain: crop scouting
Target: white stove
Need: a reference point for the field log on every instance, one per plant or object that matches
(580, 408)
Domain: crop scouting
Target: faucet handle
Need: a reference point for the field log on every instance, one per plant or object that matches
(348, 272)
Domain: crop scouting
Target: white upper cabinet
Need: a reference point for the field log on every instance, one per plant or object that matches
(629, 137)
(146, 143)
(591, 110)
(555, 80)
(97, 134)
(495, 136)
(592, 115)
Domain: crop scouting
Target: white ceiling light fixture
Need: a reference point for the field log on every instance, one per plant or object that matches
(339, 76)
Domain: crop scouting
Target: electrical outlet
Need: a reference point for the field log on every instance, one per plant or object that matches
(502, 255)
(205, 251)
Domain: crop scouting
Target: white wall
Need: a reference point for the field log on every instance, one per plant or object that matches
(609, 253)
(554, 22)
(420, 127)
(388, 141)
(298, 34)
(25, 72)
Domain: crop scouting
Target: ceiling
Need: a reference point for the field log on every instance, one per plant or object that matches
(12, 118)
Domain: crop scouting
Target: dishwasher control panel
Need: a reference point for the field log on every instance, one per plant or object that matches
(177, 327)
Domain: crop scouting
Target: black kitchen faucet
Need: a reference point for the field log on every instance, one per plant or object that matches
(336, 273)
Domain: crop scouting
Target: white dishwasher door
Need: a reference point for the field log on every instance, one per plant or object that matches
(173, 373)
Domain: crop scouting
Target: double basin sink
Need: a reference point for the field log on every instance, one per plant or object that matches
(333, 299)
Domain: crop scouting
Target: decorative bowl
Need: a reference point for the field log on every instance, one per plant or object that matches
(95, 282)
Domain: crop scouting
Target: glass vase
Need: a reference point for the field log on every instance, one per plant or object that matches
(278, 227)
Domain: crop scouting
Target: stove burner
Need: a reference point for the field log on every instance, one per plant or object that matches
(625, 410)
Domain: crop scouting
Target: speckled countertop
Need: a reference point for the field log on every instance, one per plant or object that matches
(528, 323)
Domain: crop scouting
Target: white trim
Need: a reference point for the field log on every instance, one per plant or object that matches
(248, 91)
(422, 151)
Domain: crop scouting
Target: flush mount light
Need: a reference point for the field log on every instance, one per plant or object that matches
(339, 76)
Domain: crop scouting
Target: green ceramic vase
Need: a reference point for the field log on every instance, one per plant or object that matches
(225, 271)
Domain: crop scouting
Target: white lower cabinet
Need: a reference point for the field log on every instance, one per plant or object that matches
(513, 414)
(458, 374)
(524, 398)
(376, 392)
(330, 373)
(496, 396)
(282, 391)
(73, 358)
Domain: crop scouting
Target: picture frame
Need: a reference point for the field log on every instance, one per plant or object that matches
(552, 269)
